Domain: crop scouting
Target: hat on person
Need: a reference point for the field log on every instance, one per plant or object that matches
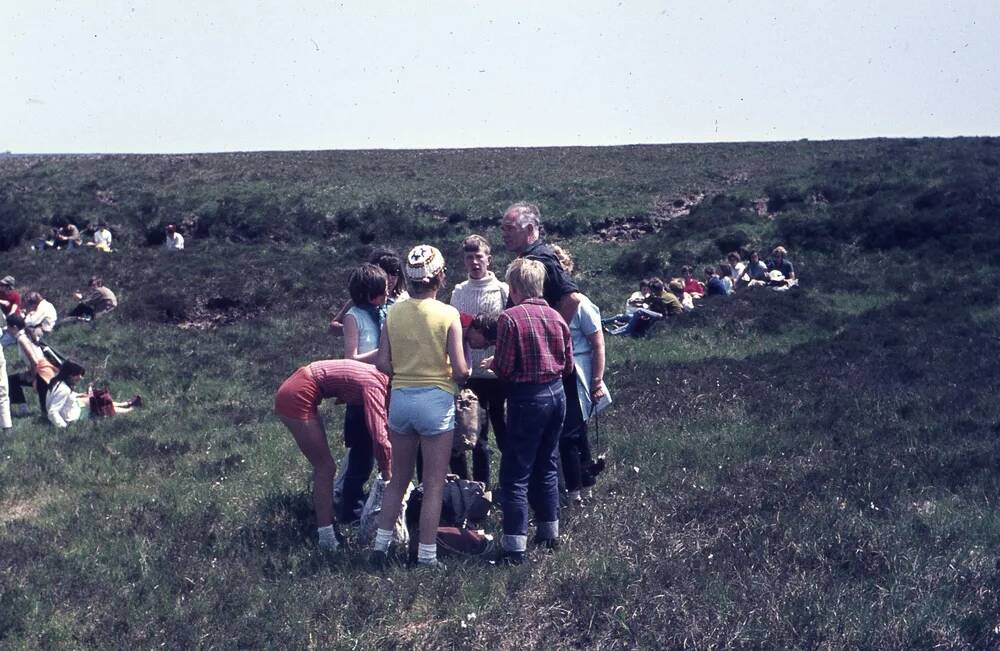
(423, 262)
(7, 280)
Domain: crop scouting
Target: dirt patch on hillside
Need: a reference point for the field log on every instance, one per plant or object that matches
(628, 228)
(24, 509)
(214, 312)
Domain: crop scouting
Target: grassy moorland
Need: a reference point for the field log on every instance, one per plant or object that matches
(813, 469)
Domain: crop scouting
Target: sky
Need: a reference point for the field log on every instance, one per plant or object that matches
(226, 75)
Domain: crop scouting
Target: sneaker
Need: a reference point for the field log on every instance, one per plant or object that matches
(511, 559)
(136, 401)
(329, 546)
(548, 544)
(598, 466)
(378, 559)
(435, 565)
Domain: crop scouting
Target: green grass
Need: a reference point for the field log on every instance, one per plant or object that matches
(813, 469)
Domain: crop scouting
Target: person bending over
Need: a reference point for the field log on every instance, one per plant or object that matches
(297, 406)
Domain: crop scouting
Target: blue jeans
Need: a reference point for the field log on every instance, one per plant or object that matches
(529, 468)
(359, 462)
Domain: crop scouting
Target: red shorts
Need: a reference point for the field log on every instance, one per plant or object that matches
(298, 397)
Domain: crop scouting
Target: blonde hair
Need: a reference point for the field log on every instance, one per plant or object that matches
(527, 277)
(565, 260)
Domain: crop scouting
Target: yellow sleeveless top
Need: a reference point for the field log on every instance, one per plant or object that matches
(418, 339)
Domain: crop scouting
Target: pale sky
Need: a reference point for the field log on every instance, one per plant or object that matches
(227, 75)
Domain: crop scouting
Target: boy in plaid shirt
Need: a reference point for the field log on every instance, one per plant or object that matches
(533, 353)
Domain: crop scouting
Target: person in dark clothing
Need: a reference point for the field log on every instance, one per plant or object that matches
(521, 227)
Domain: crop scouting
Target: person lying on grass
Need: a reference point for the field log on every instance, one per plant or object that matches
(63, 405)
(297, 406)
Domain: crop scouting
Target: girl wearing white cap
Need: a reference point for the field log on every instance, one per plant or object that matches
(421, 348)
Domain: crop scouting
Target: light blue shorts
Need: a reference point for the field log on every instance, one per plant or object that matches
(427, 411)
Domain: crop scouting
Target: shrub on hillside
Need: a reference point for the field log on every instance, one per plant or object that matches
(637, 262)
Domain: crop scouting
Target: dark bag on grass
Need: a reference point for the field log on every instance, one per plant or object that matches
(464, 501)
(101, 404)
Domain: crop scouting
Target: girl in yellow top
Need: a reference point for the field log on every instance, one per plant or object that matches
(421, 348)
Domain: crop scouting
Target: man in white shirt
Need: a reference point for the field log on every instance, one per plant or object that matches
(175, 241)
(41, 317)
(102, 238)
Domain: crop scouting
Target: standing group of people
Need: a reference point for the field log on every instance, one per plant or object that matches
(530, 347)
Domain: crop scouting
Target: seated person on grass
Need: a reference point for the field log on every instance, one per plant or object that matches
(10, 298)
(40, 370)
(736, 266)
(726, 273)
(97, 301)
(63, 405)
(676, 287)
(714, 285)
(659, 304)
(635, 301)
(692, 285)
(755, 269)
(40, 315)
(102, 238)
(780, 262)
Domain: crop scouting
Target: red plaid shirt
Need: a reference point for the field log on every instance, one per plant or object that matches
(533, 344)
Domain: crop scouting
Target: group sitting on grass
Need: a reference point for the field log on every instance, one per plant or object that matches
(538, 375)
(26, 325)
(651, 303)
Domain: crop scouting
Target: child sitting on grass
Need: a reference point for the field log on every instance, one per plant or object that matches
(533, 353)
(659, 304)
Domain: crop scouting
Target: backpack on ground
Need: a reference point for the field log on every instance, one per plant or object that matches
(459, 542)
(463, 502)
(101, 403)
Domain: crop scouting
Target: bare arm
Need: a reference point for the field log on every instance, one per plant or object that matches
(456, 352)
(597, 361)
(337, 322)
(383, 356)
(568, 305)
(351, 336)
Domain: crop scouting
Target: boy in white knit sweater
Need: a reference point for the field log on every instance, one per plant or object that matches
(482, 293)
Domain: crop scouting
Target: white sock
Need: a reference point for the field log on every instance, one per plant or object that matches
(382, 539)
(327, 539)
(427, 553)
